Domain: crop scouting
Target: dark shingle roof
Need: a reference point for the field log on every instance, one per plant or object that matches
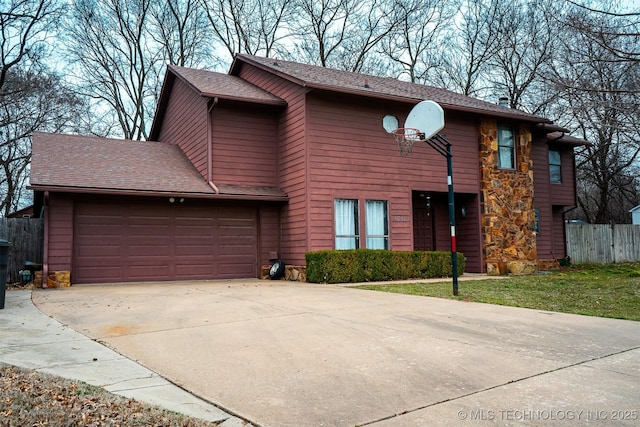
(317, 77)
(563, 138)
(224, 86)
(73, 161)
(92, 164)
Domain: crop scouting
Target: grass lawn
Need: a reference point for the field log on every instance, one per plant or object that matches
(593, 290)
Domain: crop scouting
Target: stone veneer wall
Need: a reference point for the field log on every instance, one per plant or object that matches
(508, 218)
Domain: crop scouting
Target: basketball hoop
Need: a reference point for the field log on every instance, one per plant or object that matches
(405, 137)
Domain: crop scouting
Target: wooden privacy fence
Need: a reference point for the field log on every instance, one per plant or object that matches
(603, 243)
(26, 236)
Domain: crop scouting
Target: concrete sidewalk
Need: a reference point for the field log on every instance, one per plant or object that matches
(33, 340)
(292, 354)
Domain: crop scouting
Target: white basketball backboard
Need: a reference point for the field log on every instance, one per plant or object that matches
(426, 116)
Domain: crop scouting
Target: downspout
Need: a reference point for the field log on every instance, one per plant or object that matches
(210, 146)
(45, 249)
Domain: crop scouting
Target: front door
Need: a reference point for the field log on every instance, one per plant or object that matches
(423, 230)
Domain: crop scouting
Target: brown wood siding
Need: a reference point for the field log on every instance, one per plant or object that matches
(541, 198)
(351, 156)
(545, 191)
(269, 233)
(564, 193)
(559, 238)
(291, 159)
(60, 232)
(468, 234)
(185, 124)
(551, 199)
(244, 146)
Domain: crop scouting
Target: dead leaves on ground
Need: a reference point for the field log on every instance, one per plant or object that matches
(34, 399)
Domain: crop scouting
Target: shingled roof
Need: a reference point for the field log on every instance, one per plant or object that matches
(118, 166)
(211, 85)
(224, 86)
(329, 79)
(112, 165)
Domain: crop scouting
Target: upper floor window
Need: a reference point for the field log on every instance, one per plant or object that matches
(347, 227)
(377, 224)
(555, 166)
(506, 147)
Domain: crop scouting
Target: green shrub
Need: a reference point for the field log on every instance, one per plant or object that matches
(368, 265)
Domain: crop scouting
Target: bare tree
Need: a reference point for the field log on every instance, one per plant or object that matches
(24, 26)
(599, 87)
(619, 33)
(470, 47)
(527, 34)
(31, 97)
(249, 26)
(415, 44)
(117, 61)
(342, 34)
(31, 100)
(180, 26)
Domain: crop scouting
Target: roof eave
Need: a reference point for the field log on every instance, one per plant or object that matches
(163, 99)
(150, 193)
(239, 59)
(454, 107)
(274, 102)
(234, 70)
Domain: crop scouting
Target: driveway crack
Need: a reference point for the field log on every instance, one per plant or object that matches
(408, 411)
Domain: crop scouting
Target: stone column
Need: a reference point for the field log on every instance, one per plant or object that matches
(508, 218)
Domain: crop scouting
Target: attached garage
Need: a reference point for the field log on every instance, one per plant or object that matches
(133, 211)
(115, 242)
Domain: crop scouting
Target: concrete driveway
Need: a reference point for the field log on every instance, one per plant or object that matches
(289, 354)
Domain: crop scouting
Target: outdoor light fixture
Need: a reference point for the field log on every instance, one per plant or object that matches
(171, 200)
(463, 211)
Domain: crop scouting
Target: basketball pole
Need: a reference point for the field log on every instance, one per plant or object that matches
(442, 146)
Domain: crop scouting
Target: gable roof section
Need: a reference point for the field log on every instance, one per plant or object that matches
(316, 77)
(211, 85)
(224, 86)
(71, 163)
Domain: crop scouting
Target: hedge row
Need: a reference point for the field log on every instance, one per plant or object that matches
(369, 265)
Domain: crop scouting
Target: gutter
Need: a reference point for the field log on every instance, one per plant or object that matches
(210, 106)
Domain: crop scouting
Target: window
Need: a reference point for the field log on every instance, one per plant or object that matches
(377, 224)
(347, 235)
(555, 166)
(506, 148)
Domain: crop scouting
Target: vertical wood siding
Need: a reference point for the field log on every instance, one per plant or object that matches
(185, 124)
(291, 160)
(244, 146)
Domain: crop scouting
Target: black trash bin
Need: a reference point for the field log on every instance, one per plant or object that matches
(4, 260)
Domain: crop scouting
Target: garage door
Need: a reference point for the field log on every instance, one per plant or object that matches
(117, 242)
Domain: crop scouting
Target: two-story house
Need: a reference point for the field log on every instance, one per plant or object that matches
(278, 158)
